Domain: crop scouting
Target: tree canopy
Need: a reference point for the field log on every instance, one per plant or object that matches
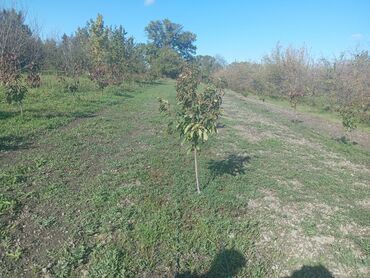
(166, 34)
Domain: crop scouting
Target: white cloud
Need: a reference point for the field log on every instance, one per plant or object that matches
(357, 36)
(149, 2)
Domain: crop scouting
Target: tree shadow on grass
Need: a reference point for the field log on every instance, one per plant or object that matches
(297, 121)
(8, 114)
(152, 82)
(220, 125)
(317, 271)
(48, 114)
(232, 165)
(125, 93)
(230, 262)
(12, 143)
(227, 263)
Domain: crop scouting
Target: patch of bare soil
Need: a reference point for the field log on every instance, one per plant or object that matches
(282, 230)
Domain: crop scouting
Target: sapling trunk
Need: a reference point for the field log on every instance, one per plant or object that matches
(21, 108)
(295, 113)
(196, 169)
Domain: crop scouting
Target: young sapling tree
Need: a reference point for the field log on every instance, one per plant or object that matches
(350, 118)
(15, 93)
(33, 77)
(100, 76)
(197, 112)
(11, 79)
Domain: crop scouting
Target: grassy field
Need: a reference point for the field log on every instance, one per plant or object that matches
(317, 106)
(99, 189)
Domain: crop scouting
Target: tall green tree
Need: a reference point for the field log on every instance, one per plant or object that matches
(98, 43)
(166, 34)
(168, 63)
(98, 35)
(116, 57)
(208, 65)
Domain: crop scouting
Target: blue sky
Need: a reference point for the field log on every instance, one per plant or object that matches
(235, 29)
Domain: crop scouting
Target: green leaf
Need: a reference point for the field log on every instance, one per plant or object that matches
(205, 136)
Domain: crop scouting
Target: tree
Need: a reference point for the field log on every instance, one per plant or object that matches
(98, 42)
(98, 35)
(168, 63)
(239, 76)
(208, 65)
(352, 88)
(137, 65)
(116, 54)
(15, 93)
(19, 46)
(51, 55)
(166, 34)
(198, 112)
(288, 74)
(19, 51)
(33, 77)
(295, 66)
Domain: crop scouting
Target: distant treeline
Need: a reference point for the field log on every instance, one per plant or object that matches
(109, 57)
(103, 53)
(341, 85)
(97, 49)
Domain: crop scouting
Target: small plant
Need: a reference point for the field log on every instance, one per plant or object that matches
(33, 77)
(198, 112)
(349, 119)
(34, 80)
(6, 204)
(72, 87)
(15, 93)
(11, 79)
(100, 76)
(15, 255)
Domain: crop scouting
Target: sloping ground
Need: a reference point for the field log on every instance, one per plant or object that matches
(316, 211)
(113, 195)
(332, 129)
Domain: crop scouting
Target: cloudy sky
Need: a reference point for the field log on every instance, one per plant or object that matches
(235, 29)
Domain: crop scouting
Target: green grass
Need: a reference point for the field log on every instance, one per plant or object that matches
(115, 195)
(50, 107)
(316, 189)
(319, 106)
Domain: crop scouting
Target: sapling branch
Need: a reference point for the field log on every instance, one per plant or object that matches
(197, 112)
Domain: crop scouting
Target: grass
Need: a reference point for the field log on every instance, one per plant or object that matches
(315, 190)
(50, 107)
(319, 106)
(115, 195)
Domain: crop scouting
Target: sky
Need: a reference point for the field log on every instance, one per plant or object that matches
(235, 29)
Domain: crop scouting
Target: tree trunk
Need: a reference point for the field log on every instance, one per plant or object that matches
(21, 108)
(196, 169)
(295, 113)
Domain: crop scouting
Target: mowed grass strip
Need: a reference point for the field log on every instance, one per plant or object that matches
(313, 191)
(52, 106)
(115, 195)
